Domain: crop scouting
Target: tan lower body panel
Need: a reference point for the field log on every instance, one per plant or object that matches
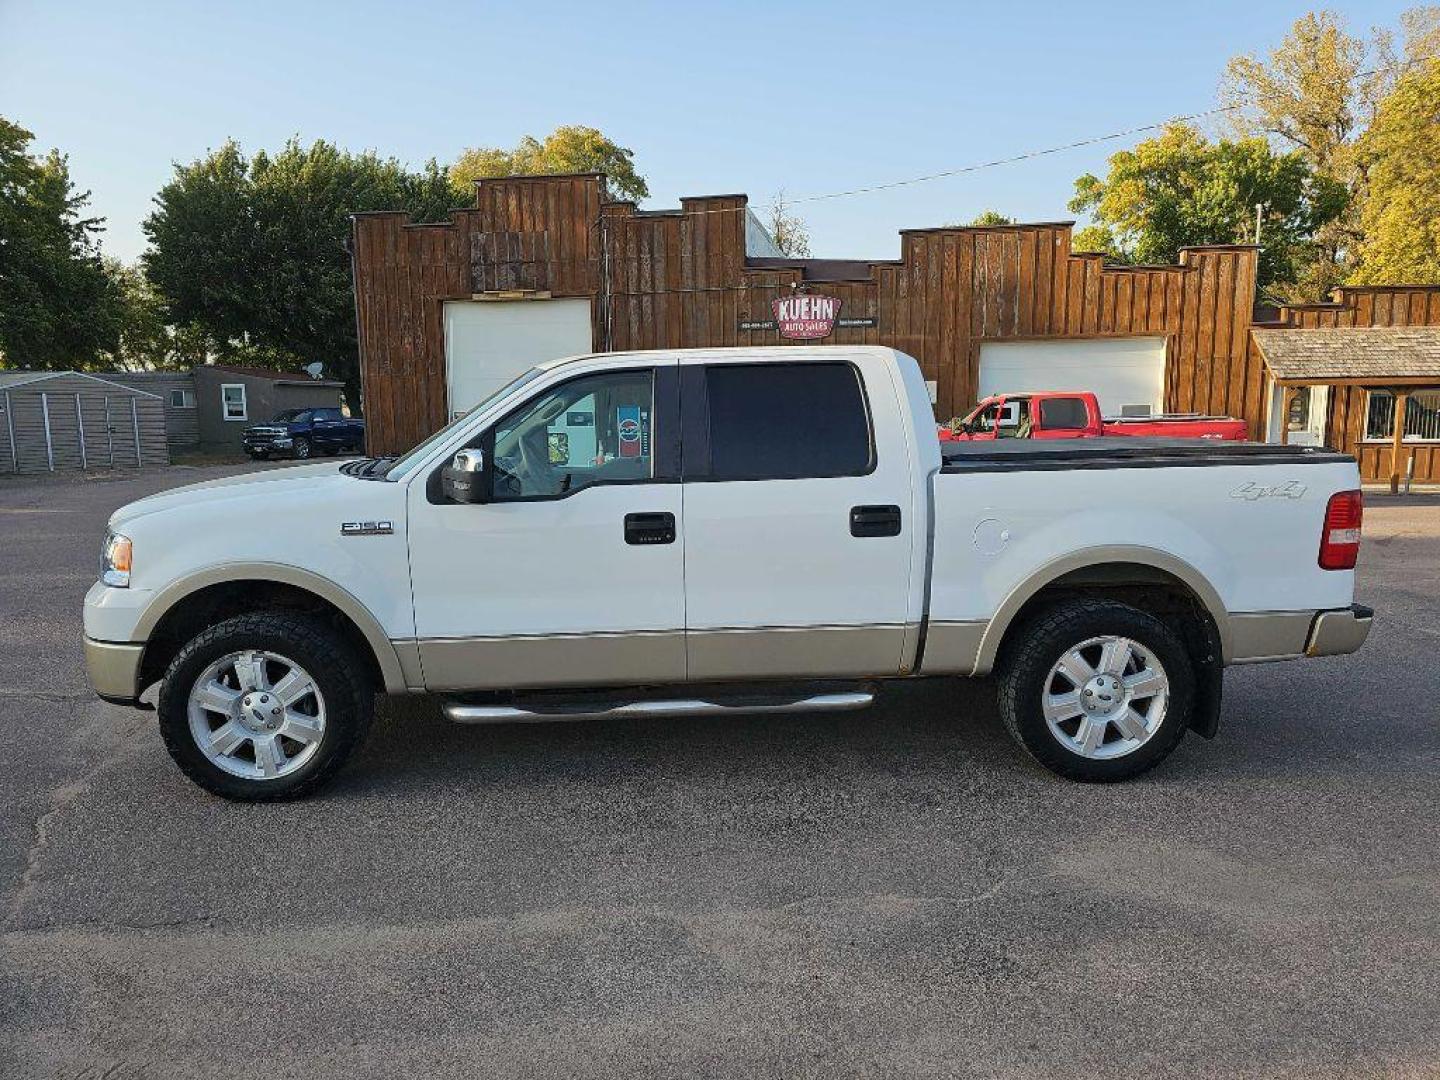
(1268, 635)
(615, 659)
(113, 667)
(951, 648)
(800, 652)
(502, 663)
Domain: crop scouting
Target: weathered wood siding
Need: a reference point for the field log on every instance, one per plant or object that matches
(1362, 306)
(532, 232)
(677, 279)
(109, 436)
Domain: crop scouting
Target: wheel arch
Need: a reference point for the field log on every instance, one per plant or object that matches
(1110, 567)
(202, 590)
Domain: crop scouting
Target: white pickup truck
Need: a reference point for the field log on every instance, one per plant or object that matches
(689, 532)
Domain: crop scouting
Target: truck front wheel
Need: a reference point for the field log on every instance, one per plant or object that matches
(265, 706)
(1096, 690)
(301, 449)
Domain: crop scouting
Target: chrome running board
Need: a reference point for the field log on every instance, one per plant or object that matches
(463, 713)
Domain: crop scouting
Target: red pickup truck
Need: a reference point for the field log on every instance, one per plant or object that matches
(1075, 414)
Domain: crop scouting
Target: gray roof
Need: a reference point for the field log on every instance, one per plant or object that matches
(1375, 354)
(19, 378)
(12, 379)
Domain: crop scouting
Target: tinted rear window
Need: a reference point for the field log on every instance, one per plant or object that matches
(1063, 413)
(785, 421)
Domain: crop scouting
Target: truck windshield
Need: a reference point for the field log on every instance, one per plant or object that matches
(290, 416)
(403, 467)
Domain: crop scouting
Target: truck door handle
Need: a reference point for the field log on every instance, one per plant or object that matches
(656, 528)
(875, 521)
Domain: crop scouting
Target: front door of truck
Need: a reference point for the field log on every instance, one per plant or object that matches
(799, 520)
(573, 574)
(325, 427)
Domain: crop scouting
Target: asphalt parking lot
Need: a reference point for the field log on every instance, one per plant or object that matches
(890, 893)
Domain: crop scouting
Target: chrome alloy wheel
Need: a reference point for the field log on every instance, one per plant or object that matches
(256, 715)
(1105, 697)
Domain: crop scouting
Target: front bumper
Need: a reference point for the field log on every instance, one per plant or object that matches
(1335, 633)
(114, 669)
(267, 445)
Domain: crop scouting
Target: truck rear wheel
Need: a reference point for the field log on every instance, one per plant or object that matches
(264, 707)
(1096, 690)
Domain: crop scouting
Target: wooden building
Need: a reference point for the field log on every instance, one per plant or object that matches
(545, 266)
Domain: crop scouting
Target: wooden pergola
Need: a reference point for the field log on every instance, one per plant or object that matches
(1397, 359)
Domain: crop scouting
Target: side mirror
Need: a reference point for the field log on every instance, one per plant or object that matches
(465, 479)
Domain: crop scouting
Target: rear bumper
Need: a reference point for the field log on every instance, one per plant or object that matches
(1338, 632)
(114, 669)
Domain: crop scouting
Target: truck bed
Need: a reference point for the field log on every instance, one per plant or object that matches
(1245, 518)
(1118, 452)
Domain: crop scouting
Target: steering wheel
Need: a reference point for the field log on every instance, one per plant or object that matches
(508, 475)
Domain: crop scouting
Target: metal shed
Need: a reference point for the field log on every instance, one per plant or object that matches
(55, 420)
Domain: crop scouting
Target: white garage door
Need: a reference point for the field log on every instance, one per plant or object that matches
(1119, 371)
(489, 342)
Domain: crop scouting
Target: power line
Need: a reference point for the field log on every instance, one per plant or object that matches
(1026, 156)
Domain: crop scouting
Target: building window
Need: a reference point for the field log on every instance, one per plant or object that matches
(182, 399)
(1422, 416)
(232, 401)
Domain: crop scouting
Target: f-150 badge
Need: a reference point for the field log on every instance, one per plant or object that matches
(1291, 489)
(366, 528)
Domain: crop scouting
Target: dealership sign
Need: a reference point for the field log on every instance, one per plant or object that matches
(805, 316)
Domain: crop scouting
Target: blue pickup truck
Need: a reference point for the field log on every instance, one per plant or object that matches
(299, 433)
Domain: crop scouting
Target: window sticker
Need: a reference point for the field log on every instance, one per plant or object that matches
(627, 423)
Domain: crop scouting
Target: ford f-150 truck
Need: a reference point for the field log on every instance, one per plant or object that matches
(298, 433)
(1075, 414)
(689, 532)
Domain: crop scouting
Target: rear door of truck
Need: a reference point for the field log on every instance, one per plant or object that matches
(801, 523)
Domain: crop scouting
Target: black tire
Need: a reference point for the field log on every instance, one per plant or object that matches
(1040, 643)
(301, 449)
(338, 672)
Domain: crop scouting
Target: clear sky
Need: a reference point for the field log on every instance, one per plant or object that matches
(713, 98)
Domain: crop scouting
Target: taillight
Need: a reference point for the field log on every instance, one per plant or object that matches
(1340, 540)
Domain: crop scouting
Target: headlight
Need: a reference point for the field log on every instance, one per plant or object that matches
(115, 561)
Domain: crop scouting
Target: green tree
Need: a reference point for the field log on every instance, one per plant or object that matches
(1400, 153)
(992, 217)
(568, 149)
(1313, 94)
(250, 253)
(146, 339)
(1180, 189)
(58, 306)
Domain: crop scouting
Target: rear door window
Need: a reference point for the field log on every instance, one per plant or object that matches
(772, 421)
(1064, 414)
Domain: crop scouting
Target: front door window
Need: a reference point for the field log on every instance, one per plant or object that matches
(591, 430)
